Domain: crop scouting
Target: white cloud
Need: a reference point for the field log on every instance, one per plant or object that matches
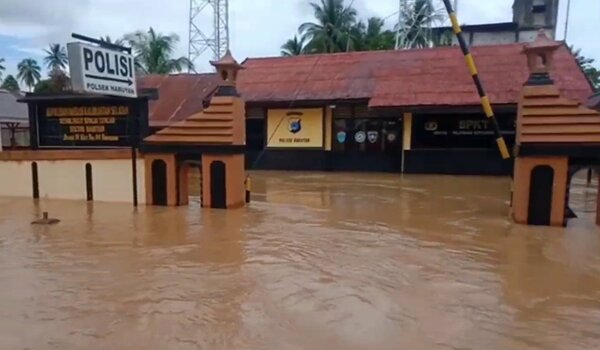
(257, 27)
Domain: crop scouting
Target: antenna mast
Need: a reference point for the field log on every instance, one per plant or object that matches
(202, 37)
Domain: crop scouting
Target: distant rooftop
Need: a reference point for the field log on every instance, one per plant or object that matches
(12, 111)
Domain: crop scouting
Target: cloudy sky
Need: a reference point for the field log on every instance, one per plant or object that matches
(257, 27)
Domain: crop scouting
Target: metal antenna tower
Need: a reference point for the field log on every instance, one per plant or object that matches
(202, 35)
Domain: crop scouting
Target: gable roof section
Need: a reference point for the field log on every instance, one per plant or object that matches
(180, 95)
(546, 117)
(12, 111)
(408, 78)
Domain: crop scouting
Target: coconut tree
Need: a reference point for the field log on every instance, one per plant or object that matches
(331, 30)
(154, 52)
(587, 65)
(56, 57)
(107, 39)
(372, 36)
(418, 17)
(10, 84)
(29, 72)
(294, 47)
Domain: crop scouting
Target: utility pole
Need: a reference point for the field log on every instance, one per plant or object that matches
(217, 42)
(567, 20)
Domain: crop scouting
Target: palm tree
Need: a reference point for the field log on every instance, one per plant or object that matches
(331, 32)
(108, 40)
(418, 17)
(29, 72)
(293, 47)
(372, 36)
(56, 57)
(587, 65)
(10, 84)
(153, 52)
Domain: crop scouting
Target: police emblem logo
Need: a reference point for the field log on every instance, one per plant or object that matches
(295, 125)
(431, 126)
(360, 137)
(391, 137)
(341, 137)
(373, 136)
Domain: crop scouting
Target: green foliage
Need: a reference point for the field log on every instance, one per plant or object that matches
(57, 82)
(153, 52)
(330, 32)
(294, 47)
(337, 29)
(10, 84)
(587, 65)
(372, 36)
(29, 72)
(108, 40)
(56, 57)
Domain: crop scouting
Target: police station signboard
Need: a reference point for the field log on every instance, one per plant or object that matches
(107, 123)
(102, 71)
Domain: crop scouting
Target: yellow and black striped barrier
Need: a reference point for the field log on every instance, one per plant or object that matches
(485, 101)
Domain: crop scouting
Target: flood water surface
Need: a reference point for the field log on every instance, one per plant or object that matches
(317, 261)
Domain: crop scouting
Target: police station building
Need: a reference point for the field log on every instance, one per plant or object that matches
(413, 111)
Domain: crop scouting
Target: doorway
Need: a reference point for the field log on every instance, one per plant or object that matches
(159, 182)
(540, 195)
(218, 192)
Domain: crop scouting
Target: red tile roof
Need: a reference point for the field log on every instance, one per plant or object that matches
(180, 95)
(410, 78)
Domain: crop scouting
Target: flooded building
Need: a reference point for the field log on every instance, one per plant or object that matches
(413, 111)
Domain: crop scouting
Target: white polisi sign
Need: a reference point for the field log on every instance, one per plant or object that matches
(101, 71)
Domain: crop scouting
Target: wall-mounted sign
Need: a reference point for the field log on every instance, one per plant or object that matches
(295, 128)
(84, 125)
(101, 71)
(460, 132)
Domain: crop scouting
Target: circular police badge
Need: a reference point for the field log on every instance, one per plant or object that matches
(391, 137)
(360, 137)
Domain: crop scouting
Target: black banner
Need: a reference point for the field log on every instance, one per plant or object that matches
(88, 124)
(450, 131)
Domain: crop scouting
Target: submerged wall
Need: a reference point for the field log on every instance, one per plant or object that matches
(62, 175)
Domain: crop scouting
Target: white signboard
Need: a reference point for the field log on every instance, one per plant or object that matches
(101, 71)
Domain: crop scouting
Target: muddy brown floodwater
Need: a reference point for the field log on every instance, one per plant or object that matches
(318, 261)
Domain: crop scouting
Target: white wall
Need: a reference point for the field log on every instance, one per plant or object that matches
(65, 179)
(495, 38)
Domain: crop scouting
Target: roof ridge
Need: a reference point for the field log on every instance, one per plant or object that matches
(361, 53)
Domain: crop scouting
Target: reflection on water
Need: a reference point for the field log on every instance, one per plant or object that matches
(318, 261)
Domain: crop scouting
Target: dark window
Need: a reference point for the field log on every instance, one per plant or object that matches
(540, 195)
(218, 185)
(159, 182)
(255, 134)
(539, 8)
